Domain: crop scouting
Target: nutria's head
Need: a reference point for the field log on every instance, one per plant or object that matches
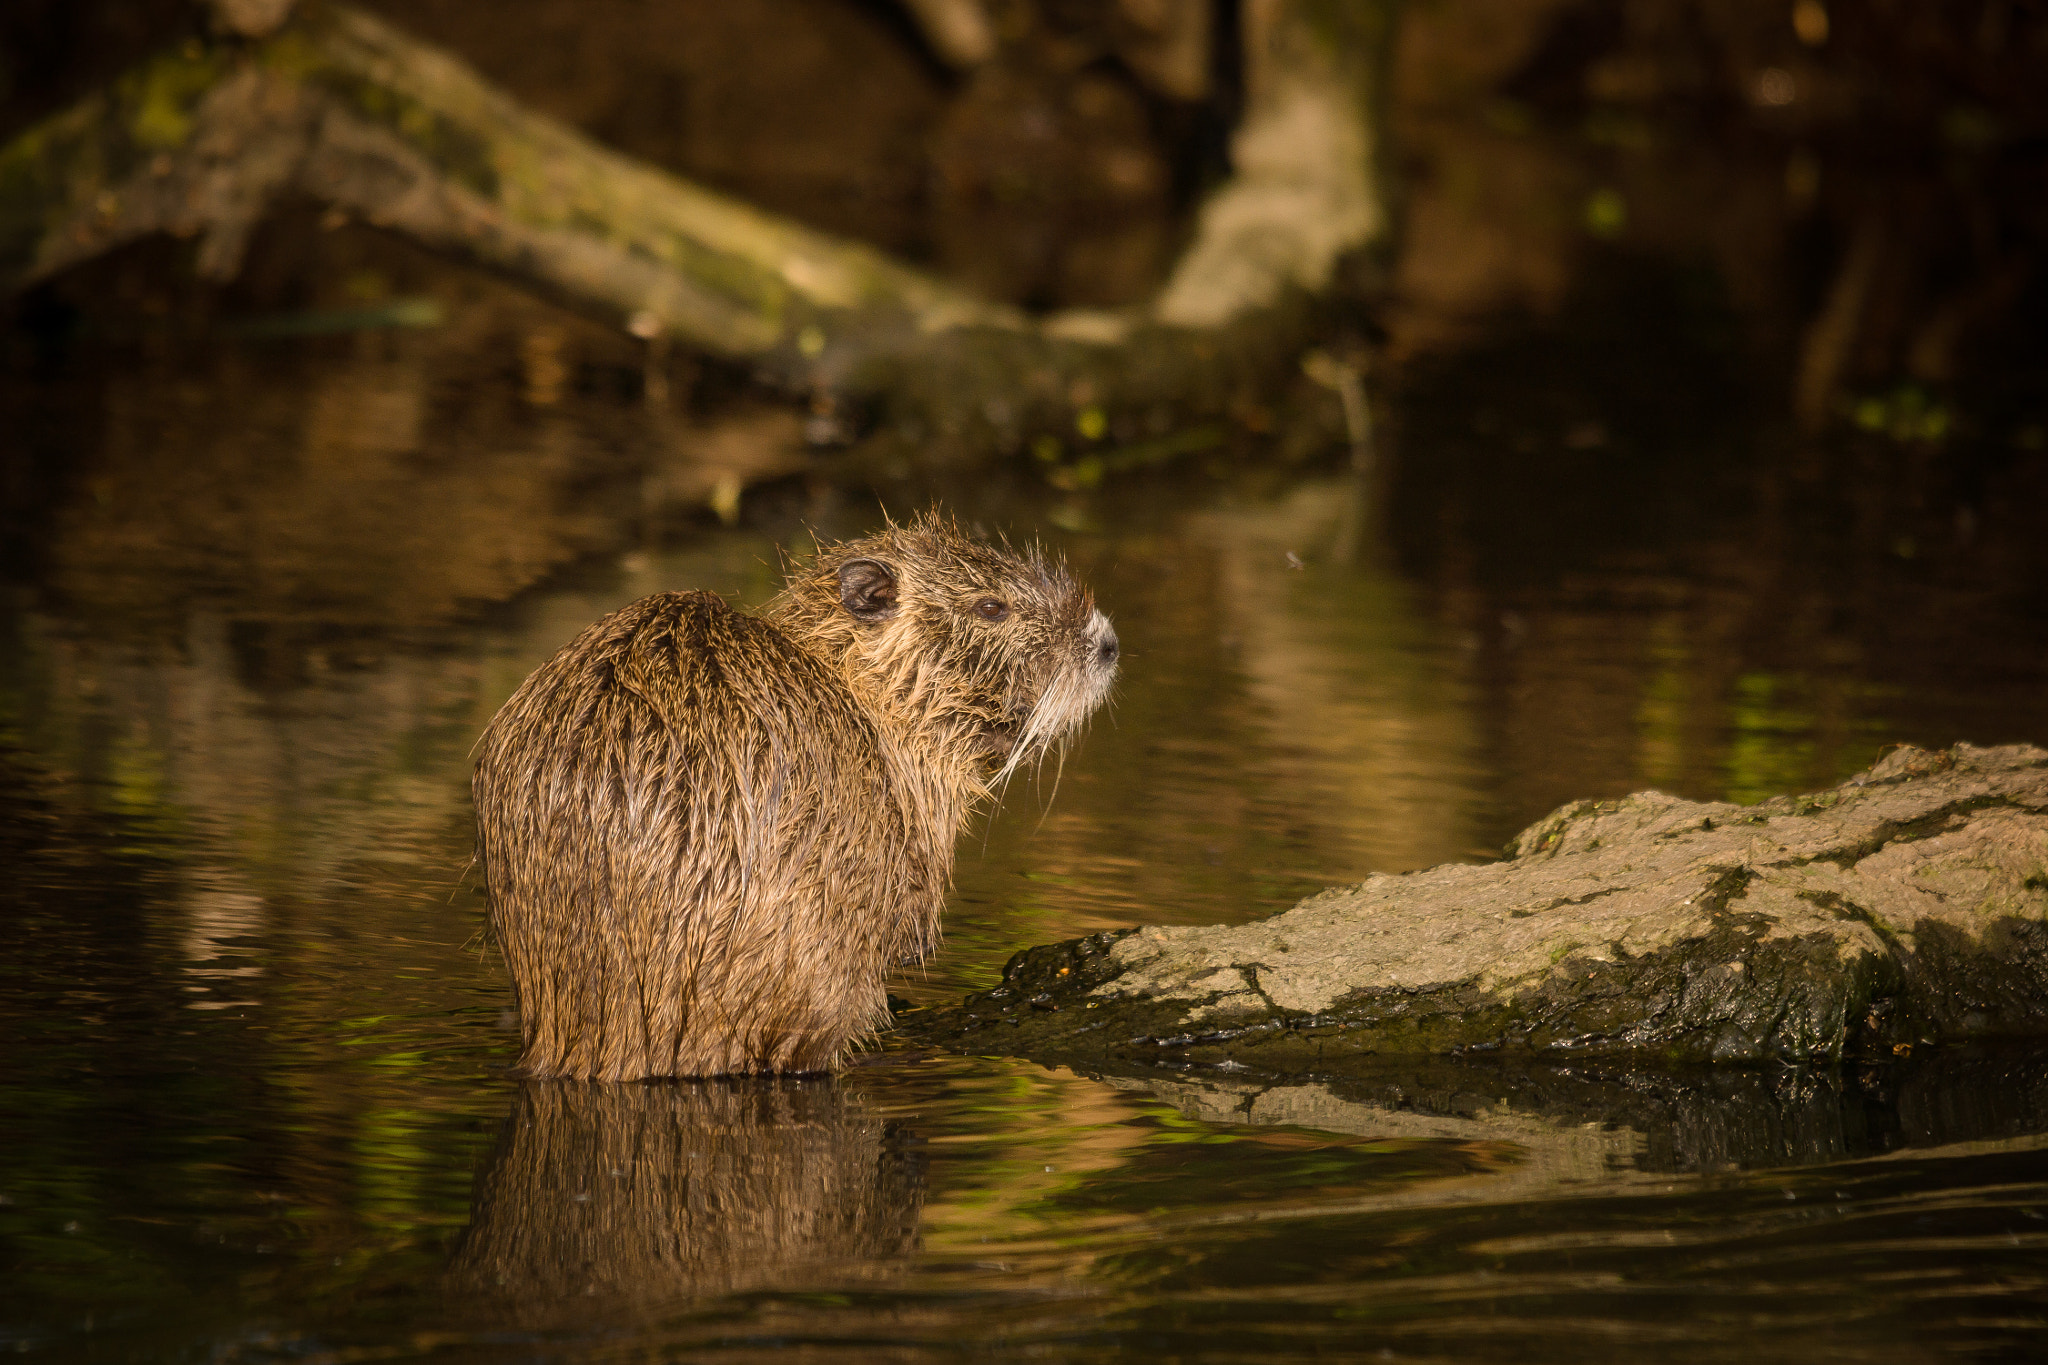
(985, 654)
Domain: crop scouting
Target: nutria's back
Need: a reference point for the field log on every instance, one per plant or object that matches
(707, 836)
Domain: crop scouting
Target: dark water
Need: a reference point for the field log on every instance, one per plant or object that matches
(264, 598)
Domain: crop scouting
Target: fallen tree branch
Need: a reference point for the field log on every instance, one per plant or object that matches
(340, 108)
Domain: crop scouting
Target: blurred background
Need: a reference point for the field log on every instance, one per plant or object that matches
(1688, 429)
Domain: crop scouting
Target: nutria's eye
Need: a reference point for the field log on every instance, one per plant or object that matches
(990, 609)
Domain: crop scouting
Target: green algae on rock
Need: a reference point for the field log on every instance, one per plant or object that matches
(1908, 905)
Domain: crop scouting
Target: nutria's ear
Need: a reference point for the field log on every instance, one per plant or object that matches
(867, 589)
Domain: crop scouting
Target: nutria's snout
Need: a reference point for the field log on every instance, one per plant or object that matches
(1104, 635)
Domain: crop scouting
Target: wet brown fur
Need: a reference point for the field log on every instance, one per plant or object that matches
(707, 836)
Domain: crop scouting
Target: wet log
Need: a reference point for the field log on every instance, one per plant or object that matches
(1906, 907)
(342, 109)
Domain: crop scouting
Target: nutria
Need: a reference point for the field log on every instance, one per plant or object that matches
(706, 836)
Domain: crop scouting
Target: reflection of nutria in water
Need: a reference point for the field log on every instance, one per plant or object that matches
(706, 836)
(606, 1199)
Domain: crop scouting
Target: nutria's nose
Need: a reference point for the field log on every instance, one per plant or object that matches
(1105, 652)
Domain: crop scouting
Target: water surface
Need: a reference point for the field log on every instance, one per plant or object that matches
(262, 600)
